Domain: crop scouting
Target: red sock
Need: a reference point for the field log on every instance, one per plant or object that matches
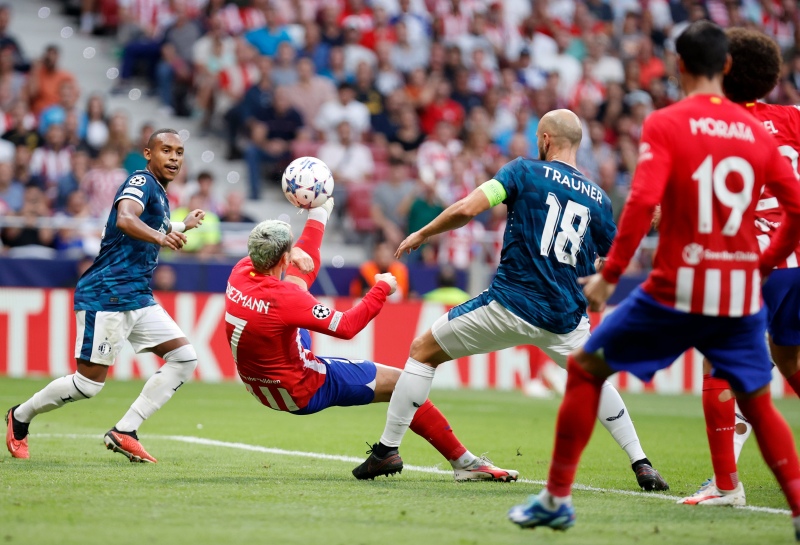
(310, 241)
(574, 426)
(720, 426)
(430, 424)
(777, 445)
(794, 382)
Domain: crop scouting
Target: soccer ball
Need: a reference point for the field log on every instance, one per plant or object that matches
(307, 182)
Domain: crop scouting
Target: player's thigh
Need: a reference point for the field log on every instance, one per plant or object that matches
(347, 383)
(782, 299)
(738, 353)
(559, 346)
(481, 326)
(100, 335)
(152, 328)
(642, 337)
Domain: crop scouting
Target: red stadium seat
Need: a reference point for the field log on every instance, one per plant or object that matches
(305, 148)
(381, 173)
(359, 207)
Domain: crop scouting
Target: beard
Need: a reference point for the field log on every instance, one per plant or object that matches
(542, 153)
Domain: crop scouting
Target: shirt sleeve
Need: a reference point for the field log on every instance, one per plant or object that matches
(607, 230)
(647, 189)
(301, 309)
(137, 188)
(507, 177)
(782, 182)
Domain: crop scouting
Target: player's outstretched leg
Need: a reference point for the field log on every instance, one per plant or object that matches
(720, 415)
(179, 364)
(614, 416)
(430, 424)
(543, 510)
(59, 392)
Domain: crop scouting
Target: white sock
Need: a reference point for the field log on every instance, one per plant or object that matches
(58, 393)
(552, 502)
(319, 214)
(738, 439)
(410, 393)
(613, 414)
(463, 461)
(158, 390)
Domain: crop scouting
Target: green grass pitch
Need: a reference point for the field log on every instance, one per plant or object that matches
(72, 490)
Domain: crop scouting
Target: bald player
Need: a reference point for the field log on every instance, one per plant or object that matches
(558, 223)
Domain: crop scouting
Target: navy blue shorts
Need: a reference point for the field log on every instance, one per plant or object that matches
(642, 336)
(347, 382)
(782, 297)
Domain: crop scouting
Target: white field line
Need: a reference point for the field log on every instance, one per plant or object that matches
(422, 469)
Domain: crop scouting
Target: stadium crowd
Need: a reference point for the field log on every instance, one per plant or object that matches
(412, 103)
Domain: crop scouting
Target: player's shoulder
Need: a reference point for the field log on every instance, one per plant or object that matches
(140, 178)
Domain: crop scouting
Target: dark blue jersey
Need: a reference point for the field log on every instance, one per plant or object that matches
(558, 223)
(119, 278)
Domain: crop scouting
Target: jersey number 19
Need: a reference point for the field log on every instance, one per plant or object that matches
(569, 234)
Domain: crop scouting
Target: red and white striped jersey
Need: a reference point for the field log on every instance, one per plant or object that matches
(236, 80)
(101, 187)
(783, 123)
(238, 20)
(263, 314)
(706, 161)
(50, 165)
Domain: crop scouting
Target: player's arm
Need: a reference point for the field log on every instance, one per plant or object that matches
(128, 212)
(456, 215)
(782, 183)
(304, 311)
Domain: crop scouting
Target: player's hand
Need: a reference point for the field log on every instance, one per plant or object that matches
(412, 242)
(597, 291)
(301, 260)
(173, 240)
(389, 279)
(599, 263)
(194, 219)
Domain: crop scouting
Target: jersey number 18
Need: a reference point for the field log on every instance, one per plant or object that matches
(568, 234)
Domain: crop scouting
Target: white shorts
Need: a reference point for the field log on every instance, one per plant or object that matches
(493, 327)
(101, 334)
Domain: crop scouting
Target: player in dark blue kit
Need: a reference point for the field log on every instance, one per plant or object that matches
(114, 302)
(558, 223)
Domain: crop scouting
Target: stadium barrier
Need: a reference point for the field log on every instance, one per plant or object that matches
(37, 338)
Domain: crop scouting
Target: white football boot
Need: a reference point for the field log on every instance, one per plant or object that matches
(709, 494)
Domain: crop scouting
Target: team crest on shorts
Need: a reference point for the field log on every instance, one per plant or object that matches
(320, 312)
(137, 180)
(104, 348)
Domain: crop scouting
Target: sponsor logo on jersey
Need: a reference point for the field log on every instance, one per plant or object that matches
(708, 126)
(137, 180)
(612, 418)
(644, 152)
(692, 253)
(320, 312)
(133, 191)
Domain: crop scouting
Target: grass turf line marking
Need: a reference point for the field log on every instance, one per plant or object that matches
(422, 469)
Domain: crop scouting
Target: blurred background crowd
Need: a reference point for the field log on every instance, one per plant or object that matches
(411, 103)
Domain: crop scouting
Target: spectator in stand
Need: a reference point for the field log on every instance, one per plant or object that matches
(94, 126)
(435, 159)
(102, 182)
(118, 134)
(605, 68)
(314, 49)
(387, 78)
(45, 80)
(462, 93)
(133, 159)
(10, 76)
(174, 72)
(77, 241)
(343, 108)
(164, 278)
(526, 125)
(257, 99)
(442, 109)
(11, 191)
(383, 261)
(22, 165)
(366, 93)
(204, 188)
(52, 161)
(447, 291)
(20, 126)
(350, 161)
(354, 52)
(390, 202)
(386, 124)
(57, 113)
(141, 34)
(34, 207)
(211, 55)
(72, 181)
(267, 38)
(271, 135)
(205, 241)
(425, 206)
(416, 21)
(284, 70)
(234, 209)
(607, 179)
(521, 146)
(311, 91)
(334, 69)
(331, 28)
(408, 55)
(9, 42)
(650, 66)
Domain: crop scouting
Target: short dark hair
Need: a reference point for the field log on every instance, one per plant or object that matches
(153, 137)
(756, 65)
(703, 48)
(205, 175)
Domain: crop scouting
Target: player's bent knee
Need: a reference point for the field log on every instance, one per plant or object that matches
(185, 356)
(87, 388)
(425, 349)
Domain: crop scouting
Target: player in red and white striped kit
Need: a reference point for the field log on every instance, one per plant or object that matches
(755, 72)
(266, 322)
(705, 160)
